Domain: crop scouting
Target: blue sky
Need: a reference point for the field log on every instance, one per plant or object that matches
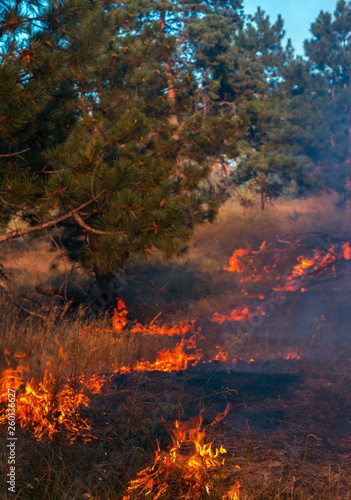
(298, 15)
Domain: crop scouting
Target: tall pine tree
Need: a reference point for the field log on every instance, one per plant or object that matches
(321, 101)
(108, 134)
(258, 85)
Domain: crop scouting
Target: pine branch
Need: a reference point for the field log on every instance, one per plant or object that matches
(14, 154)
(45, 225)
(85, 226)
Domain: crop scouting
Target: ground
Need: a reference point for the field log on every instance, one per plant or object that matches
(287, 432)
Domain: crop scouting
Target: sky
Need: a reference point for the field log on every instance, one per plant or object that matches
(298, 15)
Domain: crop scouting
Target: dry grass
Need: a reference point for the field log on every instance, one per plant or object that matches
(276, 465)
(192, 284)
(283, 465)
(237, 227)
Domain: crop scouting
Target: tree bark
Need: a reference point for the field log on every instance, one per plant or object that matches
(171, 93)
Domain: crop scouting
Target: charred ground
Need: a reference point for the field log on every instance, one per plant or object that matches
(287, 380)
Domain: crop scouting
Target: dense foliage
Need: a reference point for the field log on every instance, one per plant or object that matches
(321, 100)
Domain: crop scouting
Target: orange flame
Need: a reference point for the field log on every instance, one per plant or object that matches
(119, 319)
(221, 356)
(241, 260)
(187, 470)
(237, 314)
(153, 329)
(317, 262)
(47, 407)
(233, 493)
(168, 360)
(346, 251)
(235, 264)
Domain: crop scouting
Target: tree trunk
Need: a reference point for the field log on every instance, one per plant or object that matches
(171, 93)
(263, 196)
(103, 280)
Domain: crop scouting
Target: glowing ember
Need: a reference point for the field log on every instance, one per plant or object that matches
(237, 314)
(221, 355)
(292, 355)
(94, 383)
(347, 251)
(184, 470)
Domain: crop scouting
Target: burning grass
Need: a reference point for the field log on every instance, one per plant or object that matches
(48, 406)
(93, 397)
(178, 472)
(132, 456)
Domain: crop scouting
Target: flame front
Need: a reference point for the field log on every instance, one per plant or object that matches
(51, 405)
(167, 360)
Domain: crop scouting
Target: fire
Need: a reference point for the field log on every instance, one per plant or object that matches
(94, 383)
(235, 263)
(241, 260)
(237, 314)
(233, 493)
(168, 359)
(153, 329)
(221, 356)
(48, 407)
(119, 319)
(185, 468)
(346, 251)
(319, 261)
(292, 355)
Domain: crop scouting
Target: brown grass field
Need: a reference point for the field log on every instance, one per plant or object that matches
(287, 433)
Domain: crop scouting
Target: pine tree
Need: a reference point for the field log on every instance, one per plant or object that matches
(28, 82)
(258, 83)
(118, 135)
(321, 103)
